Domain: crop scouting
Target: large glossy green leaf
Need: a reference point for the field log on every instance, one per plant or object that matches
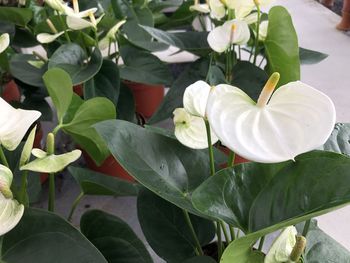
(60, 88)
(192, 41)
(308, 56)
(166, 230)
(249, 78)
(43, 237)
(93, 183)
(106, 83)
(281, 46)
(72, 58)
(126, 104)
(25, 72)
(196, 71)
(160, 163)
(182, 17)
(114, 238)
(339, 141)
(142, 67)
(200, 259)
(18, 16)
(80, 125)
(262, 202)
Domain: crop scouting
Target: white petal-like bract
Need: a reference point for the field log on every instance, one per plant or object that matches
(196, 97)
(14, 123)
(4, 42)
(297, 119)
(190, 130)
(201, 8)
(217, 9)
(11, 213)
(263, 30)
(282, 247)
(45, 38)
(6, 177)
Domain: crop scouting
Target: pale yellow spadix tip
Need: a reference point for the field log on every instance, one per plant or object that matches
(268, 89)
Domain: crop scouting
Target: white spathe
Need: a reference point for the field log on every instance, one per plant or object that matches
(14, 123)
(4, 42)
(5, 181)
(217, 9)
(297, 119)
(110, 36)
(45, 38)
(190, 130)
(231, 32)
(201, 8)
(196, 97)
(11, 213)
(263, 30)
(77, 23)
(282, 247)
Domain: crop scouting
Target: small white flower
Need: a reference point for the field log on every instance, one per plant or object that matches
(14, 123)
(77, 23)
(201, 8)
(263, 30)
(282, 247)
(4, 42)
(45, 38)
(111, 36)
(295, 119)
(217, 9)
(231, 32)
(196, 97)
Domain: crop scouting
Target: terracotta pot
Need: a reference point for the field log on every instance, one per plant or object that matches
(79, 90)
(109, 167)
(238, 159)
(147, 97)
(11, 92)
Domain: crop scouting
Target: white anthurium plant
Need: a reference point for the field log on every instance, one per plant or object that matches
(4, 42)
(274, 129)
(14, 124)
(201, 8)
(111, 36)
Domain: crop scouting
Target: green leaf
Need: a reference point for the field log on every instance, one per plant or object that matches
(72, 59)
(52, 163)
(200, 259)
(93, 183)
(281, 46)
(126, 104)
(43, 237)
(106, 83)
(162, 164)
(183, 16)
(249, 78)
(308, 56)
(166, 230)
(192, 41)
(60, 88)
(114, 238)
(18, 16)
(80, 127)
(143, 67)
(196, 71)
(274, 195)
(339, 141)
(25, 72)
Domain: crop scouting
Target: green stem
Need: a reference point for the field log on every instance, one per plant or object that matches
(210, 148)
(50, 148)
(3, 158)
(218, 233)
(227, 239)
(261, 243)
(231, 159)
(200, 18)
(232, 233)
(23, 191)
(74, 206)
(193, 233)
(239, 53)
(65, 29)
(256, 51)
(306, 227)
(209, 68)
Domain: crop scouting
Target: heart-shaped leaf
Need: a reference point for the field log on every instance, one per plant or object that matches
(281, 46)
(166, 229)
(72, 59)
(160, 163)
(18, 16)
(93, 183)
(43, 237)
(114, 238)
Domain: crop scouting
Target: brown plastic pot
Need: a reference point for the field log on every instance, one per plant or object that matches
(11, 92)
(147, 97)
(79, 90)
(344, 24)
(109, 167)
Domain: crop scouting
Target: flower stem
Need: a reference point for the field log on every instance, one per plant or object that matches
(218, 233)
(256, 51)
(23, 192)
(50, 148)
(210, 148)
(227, 239)
(306, 227)
(3, 158)
(231, 159)
(261, 243)
(232, 233)
(193, 233)
(63, 26)
(74, 206)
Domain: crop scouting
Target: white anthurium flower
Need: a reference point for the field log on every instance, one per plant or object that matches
(111, 36)
(251, 18)
(14, 124)
(263, 30)
(86, 13)
(282, 247)
(196, 97)
(217, 9)
(296, 119)
(4, 42)
(77, 23)
(45, 38)
(11, 211)
(58, 5)
(201, 8)
(11, 214)
(190, 130)
(231, 32)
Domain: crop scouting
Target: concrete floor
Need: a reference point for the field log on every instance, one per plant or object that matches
(315, 25)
